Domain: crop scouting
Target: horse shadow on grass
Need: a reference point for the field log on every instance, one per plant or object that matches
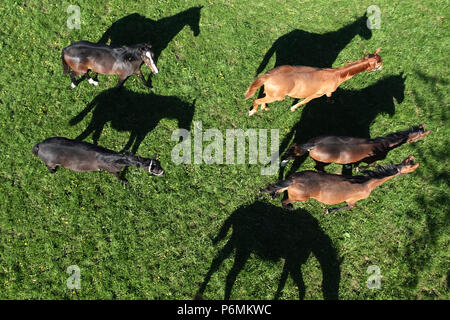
(137, 113)
(273, 234)
(305, 48)
(135, 28)
(351, 114)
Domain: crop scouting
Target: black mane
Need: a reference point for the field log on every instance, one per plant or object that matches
(382, 171)
(399, 136)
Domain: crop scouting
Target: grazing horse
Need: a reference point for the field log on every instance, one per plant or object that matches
(349, 150)
(333, 189)
(83, 56)
(82, 156)
(307, 82)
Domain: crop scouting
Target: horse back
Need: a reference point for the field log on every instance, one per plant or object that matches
(72, 154)
(341, 150)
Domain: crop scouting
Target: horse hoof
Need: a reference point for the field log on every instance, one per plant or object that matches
(293, 109)
(326, 211)
(73, 85)
(91, 81)
(251, 112)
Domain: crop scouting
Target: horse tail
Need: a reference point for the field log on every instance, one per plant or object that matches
(255, 85)
(277, 187)
(296, 150)
(35, 149)
(65, 66)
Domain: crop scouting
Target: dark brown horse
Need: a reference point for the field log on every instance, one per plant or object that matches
(333, 189)
(82, 156)
(81, 57)
(307, 82)
(349, 150)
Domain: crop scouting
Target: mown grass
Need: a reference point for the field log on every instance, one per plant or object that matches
(153, 238)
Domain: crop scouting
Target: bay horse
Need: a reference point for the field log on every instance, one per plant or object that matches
(307, 82)
(83, 156)
(82, 56)
(333, 189)
(350, 150)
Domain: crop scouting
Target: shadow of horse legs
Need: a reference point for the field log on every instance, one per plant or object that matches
(273, 234)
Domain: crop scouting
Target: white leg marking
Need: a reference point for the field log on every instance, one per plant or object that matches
(73, 85)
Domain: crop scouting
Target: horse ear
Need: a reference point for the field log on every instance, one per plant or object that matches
(155, 156)
(378, 50)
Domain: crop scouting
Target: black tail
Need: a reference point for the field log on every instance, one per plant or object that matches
(65, 66)
(277, 186)
(35, 149)
(297, 150)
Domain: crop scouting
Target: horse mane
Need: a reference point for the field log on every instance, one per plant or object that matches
(124, 159)
(398, 137)
(130, 52)
(383, 171)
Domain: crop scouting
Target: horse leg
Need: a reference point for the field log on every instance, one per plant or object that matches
(262, 102)
(121, 80)
(306, 100)
(50, 168)
(73, 76)
(117, 175)
(90, 80)
(320, 166)
(141, 76)
(348, 206)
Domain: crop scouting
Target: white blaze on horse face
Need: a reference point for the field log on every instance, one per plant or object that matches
(152, 64)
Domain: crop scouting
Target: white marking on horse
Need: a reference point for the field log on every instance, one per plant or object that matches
(92, 81)
(153, 65)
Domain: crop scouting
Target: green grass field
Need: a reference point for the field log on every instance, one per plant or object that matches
(154, 238)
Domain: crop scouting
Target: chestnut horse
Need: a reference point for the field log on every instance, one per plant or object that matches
(307, 82)
(333, 189)
(349, 150)
(82, 156)
(83, 56)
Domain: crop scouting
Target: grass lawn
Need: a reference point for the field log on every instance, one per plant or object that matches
(203, 228)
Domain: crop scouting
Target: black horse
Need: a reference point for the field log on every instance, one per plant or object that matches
(135, 112)
(273, 234)
(83, 156)
(82, 56)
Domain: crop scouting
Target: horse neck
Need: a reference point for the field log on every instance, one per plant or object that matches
(350, 70)
(124, 159)
(372, 183)
(393, 140)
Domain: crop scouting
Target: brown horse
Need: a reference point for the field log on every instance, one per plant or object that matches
(307, 82)
(83, 56)
(333, 189)
(349, 150)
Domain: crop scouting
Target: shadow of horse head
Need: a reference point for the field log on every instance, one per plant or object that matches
(305, 48)
(137, 113)
(135, 28)
(273, 234)
(351, 114)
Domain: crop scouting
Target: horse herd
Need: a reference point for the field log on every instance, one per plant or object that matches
(301, 82)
